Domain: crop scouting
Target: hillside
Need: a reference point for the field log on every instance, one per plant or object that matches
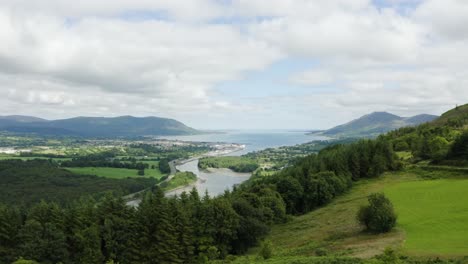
(124, 126)
(426, 193)
(376, 123)
(457, 117)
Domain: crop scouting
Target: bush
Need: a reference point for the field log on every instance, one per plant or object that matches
(378, 216)
(267, 249)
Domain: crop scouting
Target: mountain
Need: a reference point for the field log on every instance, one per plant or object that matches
(376, 123)
(123, 126)
(22, 119)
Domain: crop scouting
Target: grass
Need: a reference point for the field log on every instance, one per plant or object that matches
(333, 229)
(180, 179)
(434, 215)
(404, 155)
(115, 173)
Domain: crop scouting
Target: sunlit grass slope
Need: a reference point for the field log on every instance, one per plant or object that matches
(434, 215)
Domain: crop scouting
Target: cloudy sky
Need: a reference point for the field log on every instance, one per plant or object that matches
(233, 63)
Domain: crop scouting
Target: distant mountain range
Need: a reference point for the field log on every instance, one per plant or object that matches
(123, 126)
(376, 123)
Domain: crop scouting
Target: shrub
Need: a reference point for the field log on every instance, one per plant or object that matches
(266, 251)
(378, 216)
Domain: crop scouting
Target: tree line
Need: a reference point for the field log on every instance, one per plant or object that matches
(315, 180)
(185, 229)
(440, 144)
(87, 162)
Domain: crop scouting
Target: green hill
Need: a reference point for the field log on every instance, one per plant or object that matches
(325, 191)
(457, 117)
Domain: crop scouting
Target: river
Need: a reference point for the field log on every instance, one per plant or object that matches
(216, 181)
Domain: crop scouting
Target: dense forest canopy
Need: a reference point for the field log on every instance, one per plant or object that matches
(27, 182)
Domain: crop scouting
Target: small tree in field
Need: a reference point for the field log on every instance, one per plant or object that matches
(378, 216)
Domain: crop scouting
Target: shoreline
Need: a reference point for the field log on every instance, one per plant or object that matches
(215, 153)
(223, 149)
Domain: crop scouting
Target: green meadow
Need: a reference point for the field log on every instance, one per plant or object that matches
(433, 214)
(116, 173)
(432, 220)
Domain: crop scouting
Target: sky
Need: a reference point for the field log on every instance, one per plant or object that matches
(244, 64)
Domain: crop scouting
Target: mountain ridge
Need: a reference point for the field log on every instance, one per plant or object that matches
(120, 126)
(376, 123)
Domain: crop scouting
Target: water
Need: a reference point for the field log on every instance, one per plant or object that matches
(253, 140)
(218, 180)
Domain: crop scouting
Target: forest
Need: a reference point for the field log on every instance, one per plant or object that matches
(27, 182)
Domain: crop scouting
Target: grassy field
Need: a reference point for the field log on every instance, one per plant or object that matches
(180, 179)
(434, 215)
(334, 231)
(115, 173)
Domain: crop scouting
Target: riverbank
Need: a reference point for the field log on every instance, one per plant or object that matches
(212, 181)
(219, 149)
(204, 178)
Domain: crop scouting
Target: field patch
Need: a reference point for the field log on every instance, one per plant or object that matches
(115, 173)
(434, 215)
(180, 179)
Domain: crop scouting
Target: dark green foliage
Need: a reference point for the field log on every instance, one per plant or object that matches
(10, 224)
(103, 159)
(459, 149)
(237, 164)
(318, 178)
(164, 166)
(185, 229)
(266, 251)
(440, 141)
(378, 216)
(26, 182)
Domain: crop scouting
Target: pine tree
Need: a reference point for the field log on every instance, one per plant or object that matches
(157, 234)
(10, 224)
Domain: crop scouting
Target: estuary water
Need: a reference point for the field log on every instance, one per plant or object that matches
(253, 140)
(216, 181)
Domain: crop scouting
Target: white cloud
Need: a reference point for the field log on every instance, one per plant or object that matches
(144, 57)
(446, 18)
